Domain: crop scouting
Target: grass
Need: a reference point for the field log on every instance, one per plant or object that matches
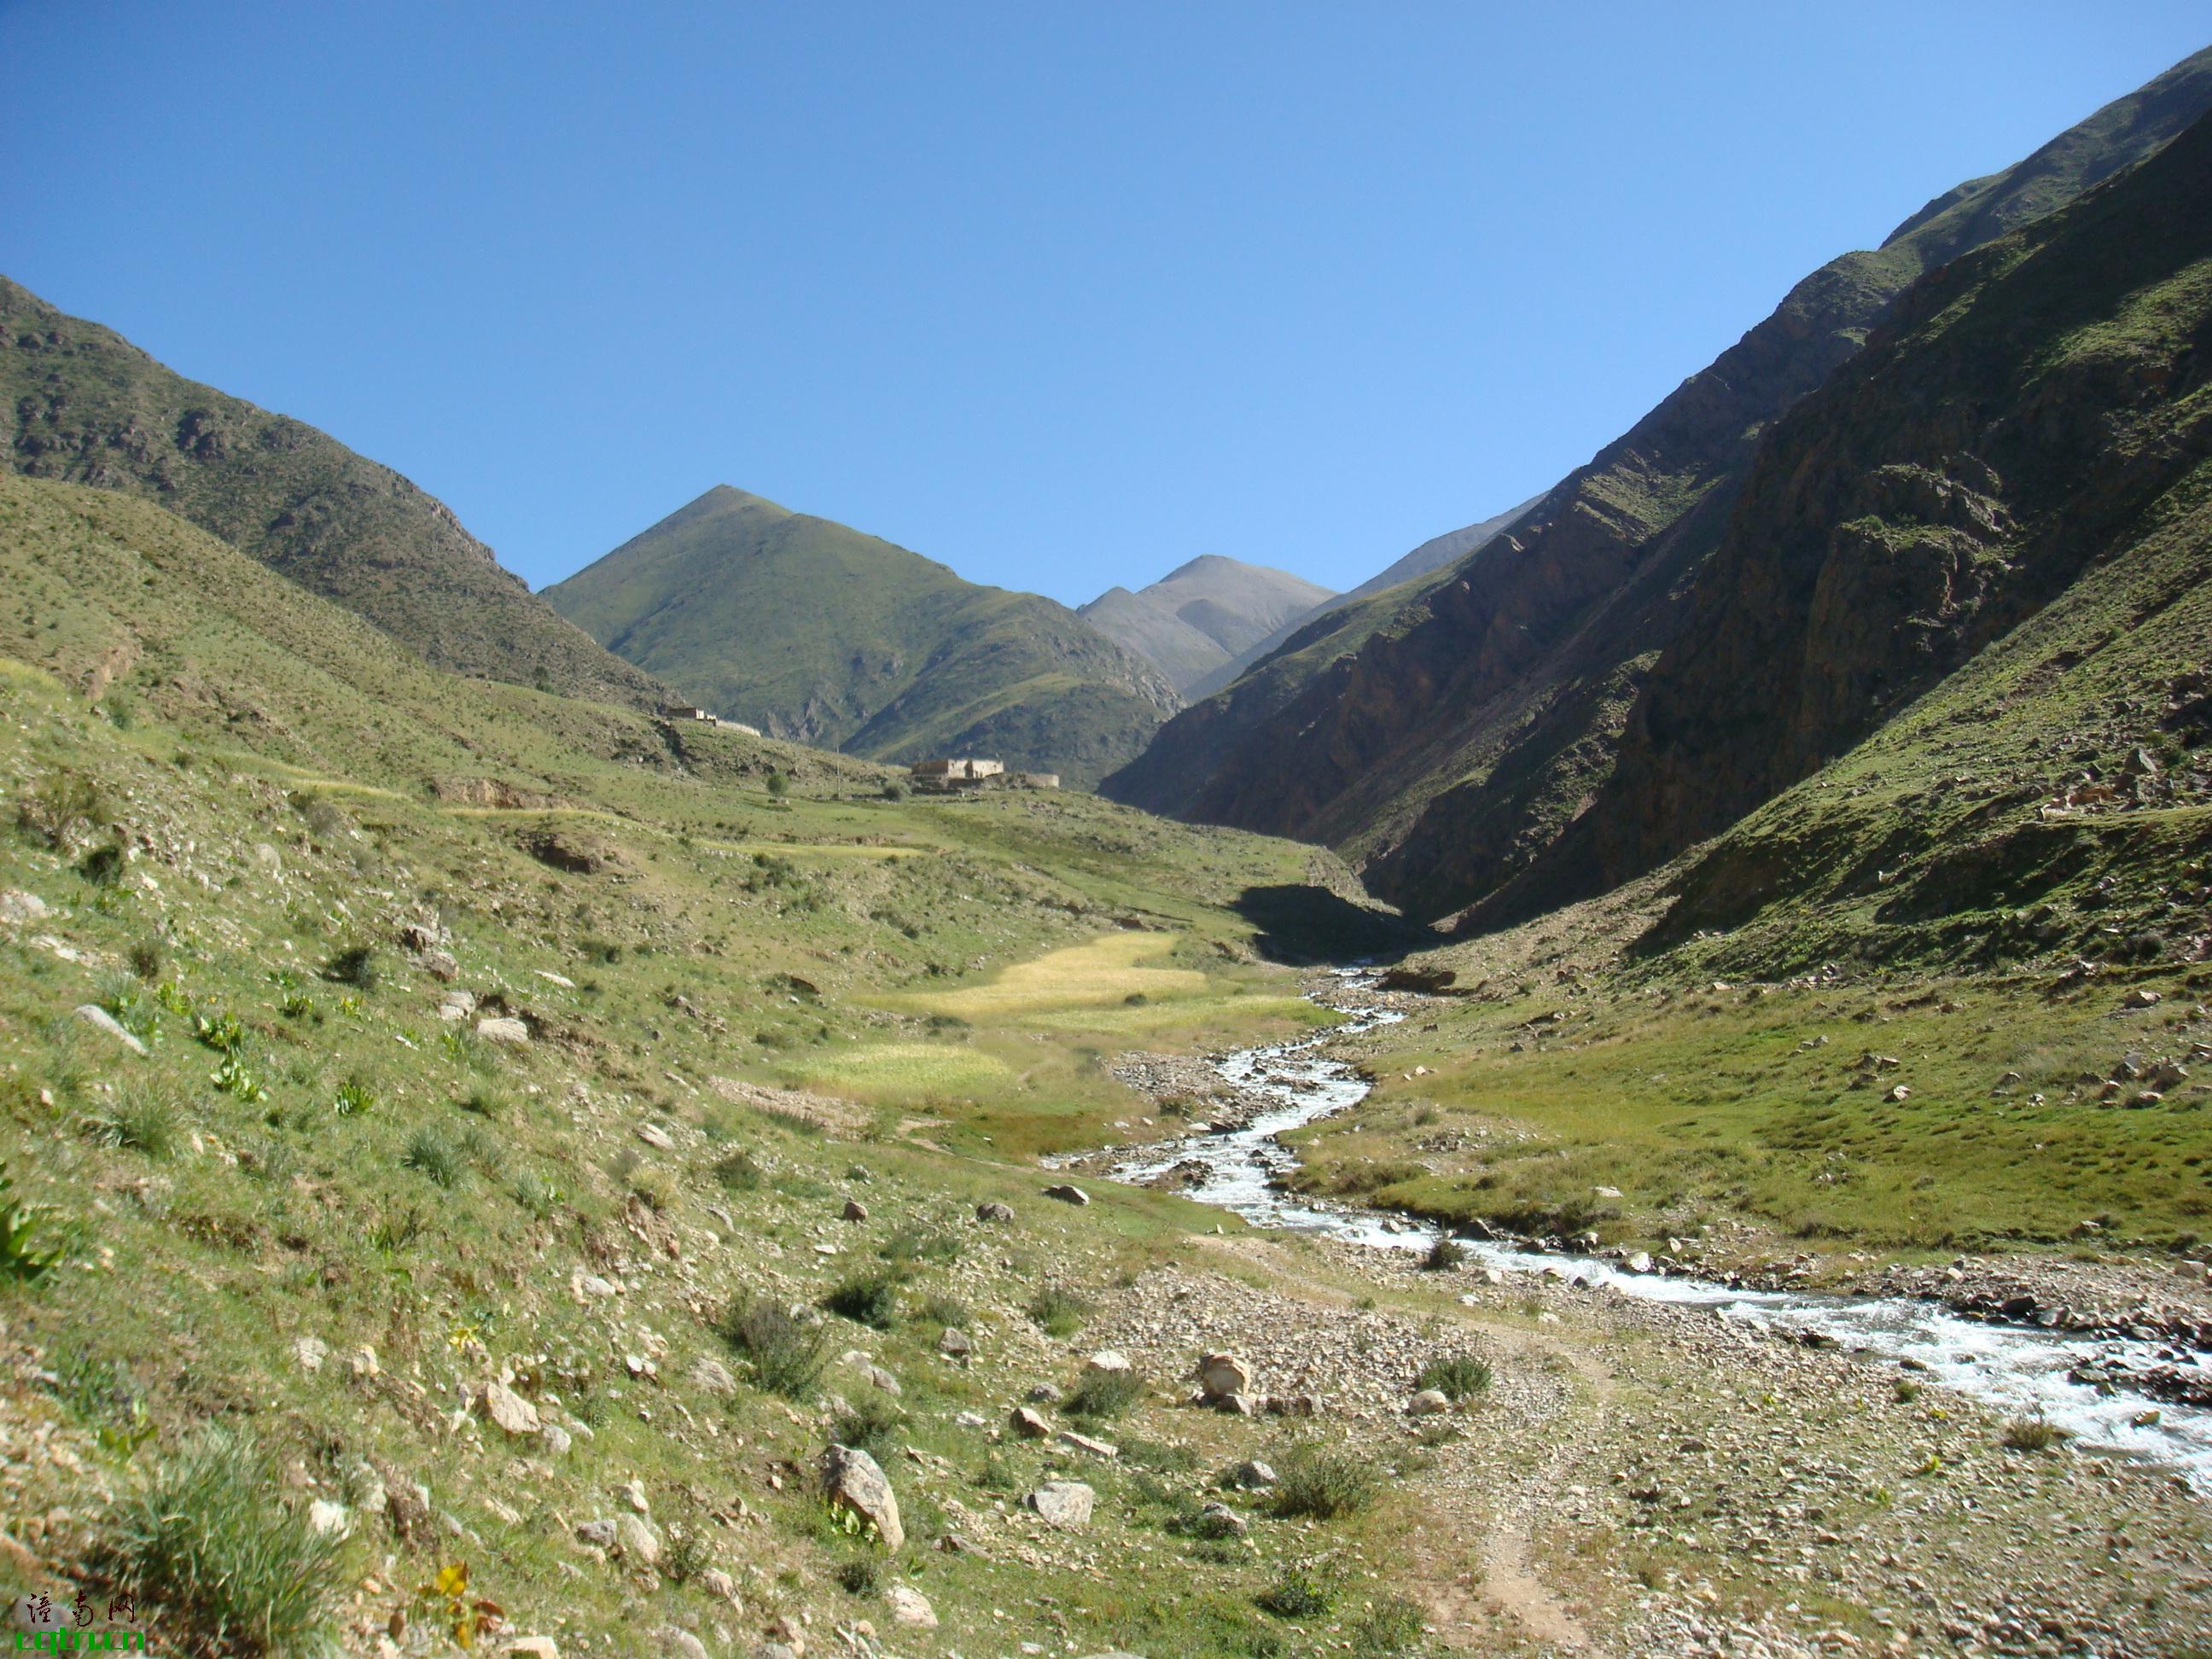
(1101, 974)
(434, 1157)
(1103, 1394)
(867, 1298)
(1058, 1311)
(2032, 1434)
(225, 1570)
(1457, 1376)
(139, 1119)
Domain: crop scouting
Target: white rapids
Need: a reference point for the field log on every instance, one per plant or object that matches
(2018, 1369)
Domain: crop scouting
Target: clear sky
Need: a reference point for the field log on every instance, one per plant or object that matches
(1060, 294)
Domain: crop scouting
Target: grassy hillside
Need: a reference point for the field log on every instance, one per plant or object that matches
(1446, 749)
(815, 632)
(82, 403)
(1199, 618)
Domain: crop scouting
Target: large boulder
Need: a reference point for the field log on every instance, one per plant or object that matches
(853, 1481)
(1222, 1374)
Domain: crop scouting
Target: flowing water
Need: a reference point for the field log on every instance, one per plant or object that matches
(2018, 1369)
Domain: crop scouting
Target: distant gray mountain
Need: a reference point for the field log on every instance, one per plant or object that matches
(1431, 555)
(1203, 614)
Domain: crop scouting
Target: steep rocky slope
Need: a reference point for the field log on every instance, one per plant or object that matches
(2029, 416)
(84, 404)
(817, 633)
(1199, 618)
(1447, 744)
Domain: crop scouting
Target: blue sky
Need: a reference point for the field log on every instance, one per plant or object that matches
(1062, 294)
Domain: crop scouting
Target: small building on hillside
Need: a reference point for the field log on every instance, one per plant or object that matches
(682, 711)
(959, 773)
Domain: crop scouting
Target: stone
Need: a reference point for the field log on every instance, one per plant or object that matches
(532, 1647)
(554, 1439)
(994, 1210)
(309, 1353)
(672, 1638)
(328, 1520)
(910, 1606)
(1640, 1262)
(634, 1494)
(2136, 999)
(852, 1480)
(1252, 1476)
(1062, 1503)
(716, 1583)
(1084, 1442)
(440, 965)
(710, 1374)
(599, 1534)
(654, 1135)
(503, 1028)
(1045, 1393)
(18, 907)
(1108, 1360)
(855, 1211)
(1028, 1424)
(955, 1343)
(552, 978)
(1240, 1405)
(1428, 1403)
(774, 1650)
(100, 1020)
(587, 1287)
(1220, 1521)
(1067, 1193)
(639, 1541)
(509, 1409)
(1222, 1374)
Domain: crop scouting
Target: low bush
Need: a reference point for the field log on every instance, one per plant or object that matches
(870, 1299)
(432, 1157)
(787, 1354)
(141, 1119)
(1296, 1595)
(1323, 1482)
(739, 1171)
(1444, 1255)
(2032, 1434)
(355, 965)
(1058, 1311)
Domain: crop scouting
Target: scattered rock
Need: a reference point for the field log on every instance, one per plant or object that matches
(509, 1409)
(18, 907)
(439, 965)
(1028, 1424)
(682, 1643)
(100, 1020)
(1084, 1442)
(532, 1647)
(328, 1520)
(309, 1353)
(1428, 1403)
(955, 1343)
(639, 1541)
(1062, 1503)
(855, 1211)
(1108, 1360)
(555, 1440)
(853, 1481)
(710, 1374)
(994, 1210)
(1067, 1193)
(1253, 1476)
(654, 1135)
(910, 1606)
(1220, 1521)
(2140, 998)
(503, 1028)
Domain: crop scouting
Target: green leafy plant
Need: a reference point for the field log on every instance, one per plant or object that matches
(445, 1602)
(221, 1032)
(232, 1078)
(1296, 1595)
(354, 1098)
(21, 1259)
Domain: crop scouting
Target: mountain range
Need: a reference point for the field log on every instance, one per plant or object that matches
(1447, 735)
(816, 632)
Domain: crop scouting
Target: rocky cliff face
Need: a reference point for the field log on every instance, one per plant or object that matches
(1447, 745)
(2035, 407)
(84, 406)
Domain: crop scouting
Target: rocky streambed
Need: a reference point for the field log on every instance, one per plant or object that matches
(2141, 1391)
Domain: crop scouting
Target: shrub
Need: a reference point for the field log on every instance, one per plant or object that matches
(143, 1119)
(146, 958)
(1295, 1595)
(1444, 1255)
(861, 1576)
(325, 821)
(894, 790)
(870, 1299)
(1907, 1390)
(778, 785)
(62, 809)
(484, 1103)
(1324, 1482)
(103, 866)
(1058, 1311)
(1105, 1394)
(2036, 1433)
(739, 1172)
(687, 1555)
(787, 1354)
(355, 965)
(238, 1573)
(431, 1155)
(1455, 1376)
